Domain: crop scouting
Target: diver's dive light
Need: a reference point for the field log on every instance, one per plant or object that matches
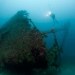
(49, 13)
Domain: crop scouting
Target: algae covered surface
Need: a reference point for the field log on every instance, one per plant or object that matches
(23, 49)
(20, 43)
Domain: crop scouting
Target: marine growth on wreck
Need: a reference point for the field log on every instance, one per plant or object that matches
(22, 46)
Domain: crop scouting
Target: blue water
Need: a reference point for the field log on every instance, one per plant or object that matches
(64, 11)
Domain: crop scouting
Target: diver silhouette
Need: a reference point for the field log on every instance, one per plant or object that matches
(54, 19)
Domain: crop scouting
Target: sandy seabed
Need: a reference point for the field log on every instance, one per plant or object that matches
(68, 67)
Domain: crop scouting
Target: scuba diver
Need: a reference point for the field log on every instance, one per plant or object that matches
(53, 17)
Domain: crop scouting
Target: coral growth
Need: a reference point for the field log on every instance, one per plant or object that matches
(21, 44)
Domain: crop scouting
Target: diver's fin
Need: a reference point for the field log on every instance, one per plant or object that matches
(56, 21)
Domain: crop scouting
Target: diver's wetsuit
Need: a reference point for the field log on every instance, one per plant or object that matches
(53, 17)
